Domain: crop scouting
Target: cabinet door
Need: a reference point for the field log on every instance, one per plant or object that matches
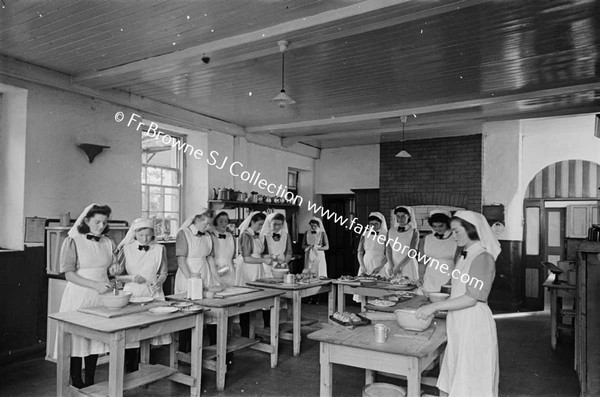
(578, 220)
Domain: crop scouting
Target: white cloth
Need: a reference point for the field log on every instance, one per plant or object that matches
(199, 248)
(384, 228)
(410, 269)
(190, 220)
(146, 264)
(74, 229)
(373, 256)
(470, 365)
(268, 225)
(411, 214)
(442, 251)
(444, 212)
(139, 223)
(223, 252)
(314, 259)
(94, 258)
(276, 248)
(486, 235)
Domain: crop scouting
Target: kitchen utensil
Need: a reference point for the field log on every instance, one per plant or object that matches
(195, 287)
(438, 296)
(192, 309)
(381, 333)
(181, 305)
(209, 295)
(407, 319)
(215, 194)
(161, 310)
(289, 279)
(379, 389)
(112, 301)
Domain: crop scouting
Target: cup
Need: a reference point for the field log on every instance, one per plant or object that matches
(65, 219)
(289, 279)
(381, 333)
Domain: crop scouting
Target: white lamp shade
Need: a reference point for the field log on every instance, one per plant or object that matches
(282, 99)
(404, 154)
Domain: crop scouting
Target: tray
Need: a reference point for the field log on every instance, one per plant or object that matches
(350, 325)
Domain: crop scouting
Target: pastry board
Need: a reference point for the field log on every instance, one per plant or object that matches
(131, 308)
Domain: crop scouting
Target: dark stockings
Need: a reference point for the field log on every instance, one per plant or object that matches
(90, 370)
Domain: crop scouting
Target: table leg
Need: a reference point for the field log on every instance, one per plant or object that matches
(116, 365)
(145, 351)
(275, 331)
(326, 372)
(196, 362)
(553, 318)
(251, 332)
(331, 302)
(173, 362)
(297, 310)
(222, 318)
(413, 380)
(63, 359)
(289, 312)
(369, 376)
(363, 303)
(341, 304)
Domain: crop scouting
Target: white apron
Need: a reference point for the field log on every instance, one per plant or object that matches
(470, 365)
(411, 269)
(94, 258)
(443, 251)
(374, 253)
(199, 247)
(314, 260)
(223, 250)
(146, 264)
(250, 271)
(275, 248)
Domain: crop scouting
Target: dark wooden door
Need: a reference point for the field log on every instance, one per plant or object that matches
(339, 255)
(533, 253)
(367, 201)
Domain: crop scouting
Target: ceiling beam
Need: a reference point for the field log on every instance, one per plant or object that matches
(433, 106)
(28, 72)
(289, 141)
(170, 63)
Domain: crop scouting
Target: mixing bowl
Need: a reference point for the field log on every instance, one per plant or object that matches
(279, 273)
(112, 301)
(438, 296)
(408, 320)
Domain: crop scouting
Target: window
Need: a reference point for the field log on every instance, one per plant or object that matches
(162, 180)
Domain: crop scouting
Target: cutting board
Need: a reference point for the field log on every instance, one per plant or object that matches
(124, 311)
(234, 291)
(404, 333)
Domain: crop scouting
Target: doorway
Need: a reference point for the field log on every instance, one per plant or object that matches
(340, 254)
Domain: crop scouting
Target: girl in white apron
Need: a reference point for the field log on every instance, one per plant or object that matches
(194, 250)
(223, 250)
(146, 266)
(278, 243)
(250, 261)
(406, 233)
(371, 252)
(85, 257)
(315, 244)
(470, 364)
(439, 248)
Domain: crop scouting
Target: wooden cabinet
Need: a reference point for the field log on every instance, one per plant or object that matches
(580, 218)
(587, 320)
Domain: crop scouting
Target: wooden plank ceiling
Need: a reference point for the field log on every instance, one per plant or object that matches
(353, 67)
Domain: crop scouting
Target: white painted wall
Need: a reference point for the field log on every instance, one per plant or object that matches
(341, 169)
(515, 151)
(13, 133)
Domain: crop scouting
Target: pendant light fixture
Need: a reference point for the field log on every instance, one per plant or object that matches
(282, 99)
(403, 153)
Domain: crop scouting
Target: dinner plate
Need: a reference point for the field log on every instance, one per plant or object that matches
(141, 299)
(192, 309)
(181, 305)
(382, 303)
(163, 310)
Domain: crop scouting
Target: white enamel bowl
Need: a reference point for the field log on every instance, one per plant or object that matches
(408, 320)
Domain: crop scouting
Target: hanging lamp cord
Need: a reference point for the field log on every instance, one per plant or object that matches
(282, 69)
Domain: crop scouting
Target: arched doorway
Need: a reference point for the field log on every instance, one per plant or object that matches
(561, 203)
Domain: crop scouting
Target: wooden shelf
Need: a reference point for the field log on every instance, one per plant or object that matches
(233, 343)
(146, 374)
(231, 204)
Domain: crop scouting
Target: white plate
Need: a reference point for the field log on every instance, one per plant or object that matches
(382, 303)
(163, 310)
(141, 299)
(181, 305)
(192, 309)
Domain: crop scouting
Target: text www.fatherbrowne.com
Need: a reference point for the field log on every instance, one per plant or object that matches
(237, 169)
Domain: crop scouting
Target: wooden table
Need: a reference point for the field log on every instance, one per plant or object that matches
(405, 357)
(557, 292)
(351, 288)
(296, 292)
(220, 311)
(117, 332)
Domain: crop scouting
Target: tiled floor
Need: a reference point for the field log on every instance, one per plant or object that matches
(528, 367)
